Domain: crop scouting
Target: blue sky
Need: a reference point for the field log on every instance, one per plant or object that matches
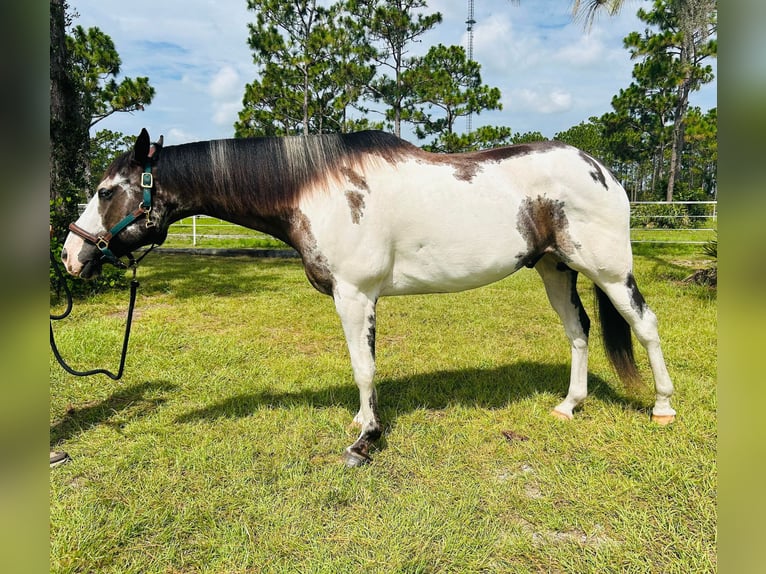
(552, 74)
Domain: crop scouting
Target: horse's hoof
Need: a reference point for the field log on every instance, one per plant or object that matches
(561, 416)
(663, 420)
(353, 459)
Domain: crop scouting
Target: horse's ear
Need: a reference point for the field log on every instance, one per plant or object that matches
(141, 147)
(156, 148)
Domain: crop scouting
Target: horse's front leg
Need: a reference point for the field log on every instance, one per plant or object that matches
(357, 314)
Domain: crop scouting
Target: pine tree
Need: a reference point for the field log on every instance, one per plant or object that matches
(392, 27)
(446, 86)
(672, 58)
(312, 68)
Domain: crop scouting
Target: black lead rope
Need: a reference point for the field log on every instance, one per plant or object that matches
(133, 288)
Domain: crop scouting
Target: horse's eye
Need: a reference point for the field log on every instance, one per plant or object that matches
(104, 193)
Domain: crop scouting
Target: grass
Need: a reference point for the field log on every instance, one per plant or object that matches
(696, 236)
(220, 449)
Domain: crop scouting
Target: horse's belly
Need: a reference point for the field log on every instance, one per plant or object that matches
(420, 279)
(449, 266)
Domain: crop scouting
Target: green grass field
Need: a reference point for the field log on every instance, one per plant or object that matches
(219, 451)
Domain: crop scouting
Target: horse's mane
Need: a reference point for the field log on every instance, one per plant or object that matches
(271, 173)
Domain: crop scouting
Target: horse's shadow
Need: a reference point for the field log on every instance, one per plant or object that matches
(132, 401)
(492, 388)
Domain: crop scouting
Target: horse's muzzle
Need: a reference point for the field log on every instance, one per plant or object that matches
(90, 269)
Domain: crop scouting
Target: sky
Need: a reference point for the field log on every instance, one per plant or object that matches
(551, 72)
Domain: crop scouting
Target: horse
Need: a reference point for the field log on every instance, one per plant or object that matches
(372, 215)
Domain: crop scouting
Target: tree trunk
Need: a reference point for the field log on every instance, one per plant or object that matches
(68, 129)
(398, 108)
(305, 101)
(677, 145)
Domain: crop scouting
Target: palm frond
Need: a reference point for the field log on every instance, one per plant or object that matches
(586, 11)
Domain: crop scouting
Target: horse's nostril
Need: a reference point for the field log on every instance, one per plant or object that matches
(63, 254)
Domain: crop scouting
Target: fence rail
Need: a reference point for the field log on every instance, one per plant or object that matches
(678, 222)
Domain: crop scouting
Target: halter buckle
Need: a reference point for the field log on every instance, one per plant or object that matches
(147, 180)
(147, 211)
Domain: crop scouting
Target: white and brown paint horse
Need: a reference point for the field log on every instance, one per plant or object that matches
(372, 215)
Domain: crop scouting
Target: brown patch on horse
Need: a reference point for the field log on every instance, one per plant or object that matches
(518, 150)
(543, 223)
(356, 205)
(467, 165)
(355, 179)
(315, 263)
(466, 171)
(596, 172)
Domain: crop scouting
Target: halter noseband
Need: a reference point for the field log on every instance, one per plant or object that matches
(144, 209)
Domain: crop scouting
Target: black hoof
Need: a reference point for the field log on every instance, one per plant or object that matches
(353, 459)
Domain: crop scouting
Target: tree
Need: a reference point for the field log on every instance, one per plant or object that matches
(647, 124)
(684, 39)
(686, 30)
(528, 137)
(105, 146)
(352, 71)
(701, 152)
(312, 68)
(637, 130)
(68, 128)
(272, 104)
(587, 136)
(95, 64)
(83, 68)
(484, 137)
(286, 47)
(392, 26)
(446, 82)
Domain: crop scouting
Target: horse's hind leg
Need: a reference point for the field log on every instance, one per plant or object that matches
(561, 287)
(626, 299)
(357, 314)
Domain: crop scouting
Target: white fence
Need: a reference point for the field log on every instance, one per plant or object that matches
(681, 222)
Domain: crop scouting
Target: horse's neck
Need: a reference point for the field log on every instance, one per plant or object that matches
(217, 194)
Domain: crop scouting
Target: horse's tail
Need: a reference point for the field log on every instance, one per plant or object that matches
(618, 342)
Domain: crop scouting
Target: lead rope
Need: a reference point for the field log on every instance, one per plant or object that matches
(131, 306)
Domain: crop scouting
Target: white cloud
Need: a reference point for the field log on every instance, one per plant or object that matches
(225, 83)
(584, 51)
(492, 35)
(226, 89)
(225, 113)
(450, 10)
(589, 50)
(177, 136)
(542, 101)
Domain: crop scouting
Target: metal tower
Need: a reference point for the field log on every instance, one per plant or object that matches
(469, 52)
